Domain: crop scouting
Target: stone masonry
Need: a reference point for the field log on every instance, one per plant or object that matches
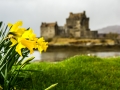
(77, 26)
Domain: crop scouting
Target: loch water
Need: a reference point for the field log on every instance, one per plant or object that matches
(55, 56)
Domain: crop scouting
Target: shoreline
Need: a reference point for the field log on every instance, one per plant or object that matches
(84, 47)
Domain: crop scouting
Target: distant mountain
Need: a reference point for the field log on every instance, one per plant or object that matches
(114, 29)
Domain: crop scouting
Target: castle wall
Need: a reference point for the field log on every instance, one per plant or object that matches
(74, 33)
(71, 33)
(70, 23)
(78, 25)
(61, 31)
(89, 34)
(77, 34)
(85, 23)
(48, 32)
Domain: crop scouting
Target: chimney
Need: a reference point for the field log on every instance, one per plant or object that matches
(84, 12)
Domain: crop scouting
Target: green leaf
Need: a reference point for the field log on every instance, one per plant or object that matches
(24, 62)
(53, 85)
(1, 23)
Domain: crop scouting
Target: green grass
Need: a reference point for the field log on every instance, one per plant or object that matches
(75, 73)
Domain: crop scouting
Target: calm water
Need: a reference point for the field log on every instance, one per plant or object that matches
(61, 55)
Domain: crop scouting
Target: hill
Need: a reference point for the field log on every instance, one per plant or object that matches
(114, 29)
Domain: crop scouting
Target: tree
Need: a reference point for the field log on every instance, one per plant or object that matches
(112, 35)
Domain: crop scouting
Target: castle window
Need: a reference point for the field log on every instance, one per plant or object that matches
(70, 27)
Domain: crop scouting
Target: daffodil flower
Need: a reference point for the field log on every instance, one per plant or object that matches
(24, 43)
(19, 47)
(29, 44)
(14, 42)
(41, 44)
(15, 30)
(14, 27)
(29, 35)
(25, 39)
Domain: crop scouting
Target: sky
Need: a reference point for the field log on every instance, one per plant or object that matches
(102, 13)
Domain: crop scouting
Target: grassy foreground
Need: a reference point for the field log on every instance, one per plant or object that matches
(75, 73)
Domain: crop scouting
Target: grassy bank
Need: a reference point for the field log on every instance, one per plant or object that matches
(78, 41)
(76, 73)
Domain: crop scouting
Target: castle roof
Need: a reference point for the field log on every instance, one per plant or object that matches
(76, 15)
(49, 24)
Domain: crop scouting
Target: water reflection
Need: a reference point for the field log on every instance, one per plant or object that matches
(107, 54)
(61, 55)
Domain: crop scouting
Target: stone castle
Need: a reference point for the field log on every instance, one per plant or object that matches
(77, 26)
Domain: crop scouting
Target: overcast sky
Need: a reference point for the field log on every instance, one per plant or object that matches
(102, 13)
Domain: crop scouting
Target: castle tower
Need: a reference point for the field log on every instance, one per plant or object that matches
(77, 23)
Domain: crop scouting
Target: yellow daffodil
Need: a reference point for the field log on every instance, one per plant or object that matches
(14, 42)
(41, 40)
(15, 30)
(25, 39)
(29, 44)
(15, 26)
(19, 47)
(23, 43)
(29, 35)
(41, 44)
